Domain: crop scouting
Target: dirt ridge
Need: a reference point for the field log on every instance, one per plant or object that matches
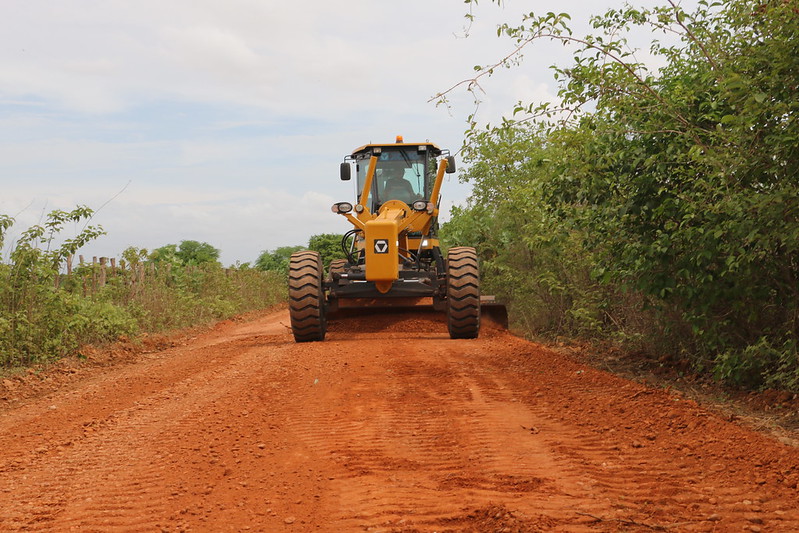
(387, 426)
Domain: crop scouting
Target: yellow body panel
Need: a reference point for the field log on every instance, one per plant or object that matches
(442, 168)
(382, 255)
(367, 186)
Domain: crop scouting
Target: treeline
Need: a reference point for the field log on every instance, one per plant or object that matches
(327, 244)
(46, 313)
(655, 208)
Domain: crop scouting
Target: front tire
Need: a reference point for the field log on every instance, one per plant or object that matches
(307, 297)
(463, 293)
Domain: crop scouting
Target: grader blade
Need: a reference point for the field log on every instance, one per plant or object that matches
(490, 308)
(348, 307)
(493, 310)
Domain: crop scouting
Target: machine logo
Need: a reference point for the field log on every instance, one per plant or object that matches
(381, 246)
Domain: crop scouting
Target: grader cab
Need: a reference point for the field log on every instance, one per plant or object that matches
(392, 252)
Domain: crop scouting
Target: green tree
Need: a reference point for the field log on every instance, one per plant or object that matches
(165, 254)
(328, 245)
(681, 183)
(36, 317)
(197, 253)
(276, 260)
(530, 258)
(134, 255)
(188, 253)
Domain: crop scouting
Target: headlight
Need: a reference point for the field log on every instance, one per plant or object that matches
(419, 205)
(341, 207)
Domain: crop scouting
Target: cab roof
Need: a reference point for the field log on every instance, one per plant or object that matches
(369, 148)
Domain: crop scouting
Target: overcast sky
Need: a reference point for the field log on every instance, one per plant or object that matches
(226, 122)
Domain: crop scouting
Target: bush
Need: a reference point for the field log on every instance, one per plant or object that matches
(668, 194)
(45, 314)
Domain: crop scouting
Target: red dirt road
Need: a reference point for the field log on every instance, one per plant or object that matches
(387, 426)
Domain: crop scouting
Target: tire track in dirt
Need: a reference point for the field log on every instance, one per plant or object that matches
(431, 444)
(388, 426)
(657, 460)
(132, 447)
(412, 450)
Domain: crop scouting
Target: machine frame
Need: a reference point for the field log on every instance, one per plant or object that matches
(393, 252)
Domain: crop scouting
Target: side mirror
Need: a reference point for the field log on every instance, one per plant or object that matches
(450, 164)
(346, 170)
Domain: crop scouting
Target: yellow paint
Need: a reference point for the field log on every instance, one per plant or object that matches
(385, 233)
(442, 167)
(382, 256)
(383, 286)
(367, 184)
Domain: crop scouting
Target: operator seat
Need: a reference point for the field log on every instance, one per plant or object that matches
(399, 189)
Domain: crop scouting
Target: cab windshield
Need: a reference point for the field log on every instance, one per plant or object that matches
(401, 174)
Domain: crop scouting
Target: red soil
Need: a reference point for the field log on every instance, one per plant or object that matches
(386, 426)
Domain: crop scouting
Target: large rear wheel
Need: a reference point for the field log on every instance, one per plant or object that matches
(463, 293)
(307, 297)
(336, 269)
(337, 266)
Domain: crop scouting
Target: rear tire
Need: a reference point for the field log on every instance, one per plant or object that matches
(307, 297)
(463, 293)
(336, 266)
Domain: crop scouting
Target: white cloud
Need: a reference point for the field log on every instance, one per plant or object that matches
(229, 119)
(242, 223)
(221, 53)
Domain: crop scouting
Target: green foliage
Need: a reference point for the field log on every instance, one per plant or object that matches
(174, 297)
(5, 223)
(33, 313)
(165, 254)
(530, 258)
(276, 260)
(35, 253)
(134, 256)
(328, 245)
(197, 253)
(188, 253)
(87, 321)
(45, 314)
(674, 190)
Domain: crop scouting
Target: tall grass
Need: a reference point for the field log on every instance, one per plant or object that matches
(46, 314)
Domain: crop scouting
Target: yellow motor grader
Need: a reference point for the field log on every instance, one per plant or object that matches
(392, 253)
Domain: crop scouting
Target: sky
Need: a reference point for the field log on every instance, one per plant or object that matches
(225, 122)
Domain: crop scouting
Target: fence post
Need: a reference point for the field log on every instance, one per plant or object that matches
(103, 261)
(94, 275)
(68, 261)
